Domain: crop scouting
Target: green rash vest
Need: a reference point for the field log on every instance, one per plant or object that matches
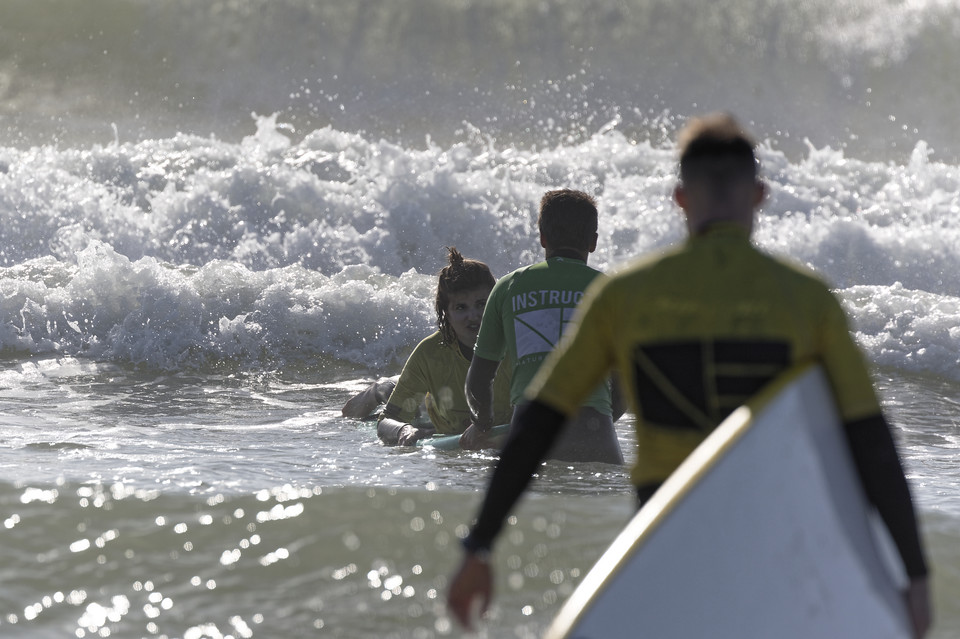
(435, 373)
(696, 331)
(527, 312)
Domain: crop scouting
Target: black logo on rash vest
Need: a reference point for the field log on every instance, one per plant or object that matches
(694, 385)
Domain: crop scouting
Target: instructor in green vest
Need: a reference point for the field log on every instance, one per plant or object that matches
(526, 314)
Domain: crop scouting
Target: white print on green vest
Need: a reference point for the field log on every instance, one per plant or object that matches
(539, 331)
(545, 296)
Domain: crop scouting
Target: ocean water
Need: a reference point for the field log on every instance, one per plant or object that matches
(218, 220)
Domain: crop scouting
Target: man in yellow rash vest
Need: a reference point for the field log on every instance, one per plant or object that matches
(693, 332)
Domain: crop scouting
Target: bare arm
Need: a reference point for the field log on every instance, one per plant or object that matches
(618, 399)
(479, 391)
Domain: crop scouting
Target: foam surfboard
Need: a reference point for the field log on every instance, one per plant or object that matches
(763, 531)
(446, 442)
(452, 442)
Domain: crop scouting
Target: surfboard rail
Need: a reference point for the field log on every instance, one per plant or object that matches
(443, 442)
(688, 477)
(452, 442)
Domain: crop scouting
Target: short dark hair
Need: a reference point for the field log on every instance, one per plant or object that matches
(567, 219)
(704, 140)
(460, 274)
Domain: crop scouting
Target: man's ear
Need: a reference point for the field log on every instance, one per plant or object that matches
(542, 243)
(593, 243)
(680, 196)
(761, 193)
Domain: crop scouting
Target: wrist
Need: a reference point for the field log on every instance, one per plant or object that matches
(476, 551)
(483, 425)
(482, 420)
(483, 556)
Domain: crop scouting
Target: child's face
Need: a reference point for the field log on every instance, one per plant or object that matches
(465, 310)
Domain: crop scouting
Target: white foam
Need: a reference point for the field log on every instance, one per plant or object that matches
(189, 251)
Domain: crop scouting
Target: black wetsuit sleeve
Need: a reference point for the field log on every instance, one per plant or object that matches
(535, 428)
(875, 456)
(391, 410)
(388, 429)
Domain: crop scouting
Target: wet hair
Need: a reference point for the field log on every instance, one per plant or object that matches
(459, 275)
(568, 219)
(707, 140)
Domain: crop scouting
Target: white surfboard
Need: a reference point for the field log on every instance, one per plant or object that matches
(762, 532)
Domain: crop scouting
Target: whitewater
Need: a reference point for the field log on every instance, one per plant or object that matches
(219, 220)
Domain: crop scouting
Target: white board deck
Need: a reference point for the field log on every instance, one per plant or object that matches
(762, 532)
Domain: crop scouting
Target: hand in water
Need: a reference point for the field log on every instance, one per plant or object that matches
(409, 435)
(917, 596)
(470, 590)
(474, 439)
